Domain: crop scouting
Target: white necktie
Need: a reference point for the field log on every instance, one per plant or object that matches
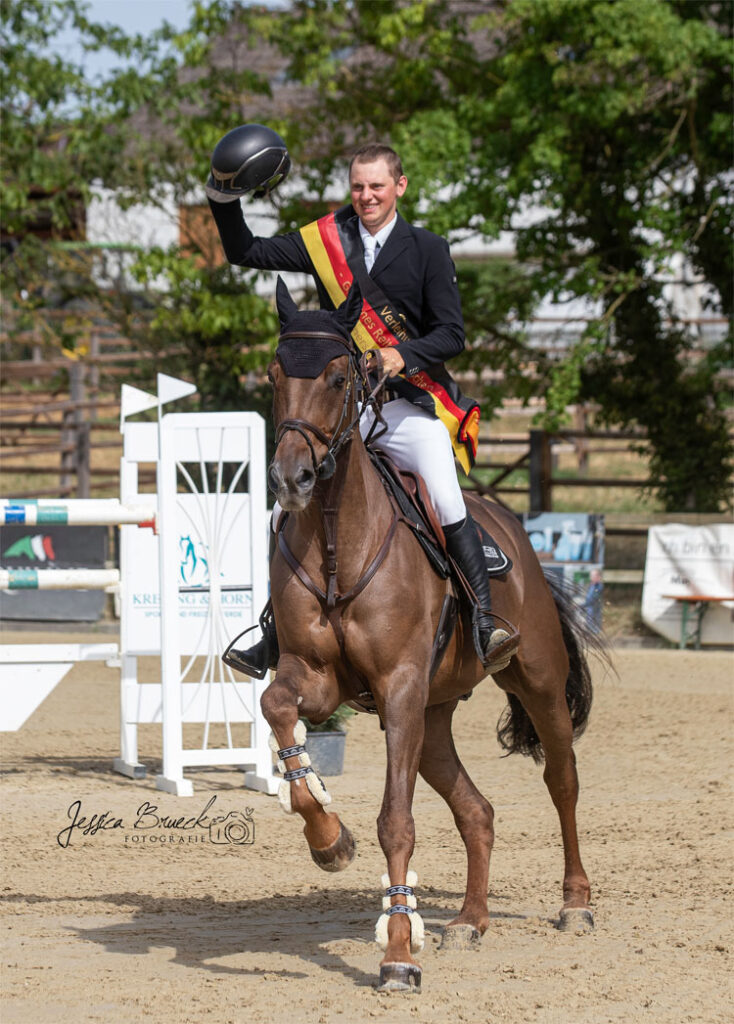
(371, 246)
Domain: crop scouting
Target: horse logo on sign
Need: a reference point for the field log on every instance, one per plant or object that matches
(194, 567)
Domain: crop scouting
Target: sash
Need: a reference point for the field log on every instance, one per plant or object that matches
(379, 325)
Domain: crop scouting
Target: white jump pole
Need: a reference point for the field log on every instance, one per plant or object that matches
(74, 512)
(60, 579)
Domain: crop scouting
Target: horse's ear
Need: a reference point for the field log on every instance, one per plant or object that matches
(348, 313)
(285, 305)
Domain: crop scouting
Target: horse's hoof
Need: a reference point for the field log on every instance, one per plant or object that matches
(576, 919)
(460, 936)
(339, 855)
(399, 978)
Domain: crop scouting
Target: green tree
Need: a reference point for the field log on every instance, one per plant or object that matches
(611, 122)
(144, 128)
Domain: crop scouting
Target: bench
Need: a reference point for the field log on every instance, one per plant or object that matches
(695, 605)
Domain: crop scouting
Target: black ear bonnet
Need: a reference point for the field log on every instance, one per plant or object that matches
(308, 344)
(310, 339)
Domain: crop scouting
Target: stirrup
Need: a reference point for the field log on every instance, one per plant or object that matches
(239, 659)
(502, 644)
(256, 660)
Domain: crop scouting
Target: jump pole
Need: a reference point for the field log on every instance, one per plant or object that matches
(74, 512)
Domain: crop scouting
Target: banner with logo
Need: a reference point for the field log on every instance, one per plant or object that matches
(687, 560)
(141, 587)
(53, 547)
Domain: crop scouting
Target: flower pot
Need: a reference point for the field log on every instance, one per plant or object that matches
(326, 750)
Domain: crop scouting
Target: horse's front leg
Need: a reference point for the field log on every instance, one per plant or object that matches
(299, 691)
(400, 928)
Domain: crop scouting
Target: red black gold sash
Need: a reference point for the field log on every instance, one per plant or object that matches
(380, 325)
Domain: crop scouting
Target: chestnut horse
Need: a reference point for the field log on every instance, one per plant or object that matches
(356, 605)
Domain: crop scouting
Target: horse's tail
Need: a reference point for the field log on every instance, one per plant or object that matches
(515, 730)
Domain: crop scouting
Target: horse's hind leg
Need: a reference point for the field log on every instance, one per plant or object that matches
(441, 768)
(548, 711)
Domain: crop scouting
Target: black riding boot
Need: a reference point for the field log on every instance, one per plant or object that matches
(465, 547)
(256, 660)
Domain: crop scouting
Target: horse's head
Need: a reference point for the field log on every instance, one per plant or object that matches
(313, 377)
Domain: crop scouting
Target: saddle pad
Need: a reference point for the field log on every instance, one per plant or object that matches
(498, 563)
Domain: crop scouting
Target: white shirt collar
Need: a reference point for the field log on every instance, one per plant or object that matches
(382, 235)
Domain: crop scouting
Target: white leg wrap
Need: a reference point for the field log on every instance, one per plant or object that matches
(417, 930)
(417, 933)
(317, 789)
(411, 879)
(313, 783)
(381, 931)
(284, 796)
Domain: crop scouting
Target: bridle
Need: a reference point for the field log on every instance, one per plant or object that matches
(357, 381)
(358, 385)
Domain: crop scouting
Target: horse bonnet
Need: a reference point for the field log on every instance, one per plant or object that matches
(309, 342)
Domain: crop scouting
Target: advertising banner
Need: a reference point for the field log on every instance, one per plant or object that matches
(53, 547)
(141, 592)
(690, 560)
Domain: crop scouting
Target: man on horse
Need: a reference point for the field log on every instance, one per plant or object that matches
(411, 314)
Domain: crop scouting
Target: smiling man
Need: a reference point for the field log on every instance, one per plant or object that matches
(411, 312)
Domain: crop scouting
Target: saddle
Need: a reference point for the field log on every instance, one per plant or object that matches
(408, 491)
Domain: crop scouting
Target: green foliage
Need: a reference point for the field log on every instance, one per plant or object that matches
(612, 123)
(219, 334)
(150, 122)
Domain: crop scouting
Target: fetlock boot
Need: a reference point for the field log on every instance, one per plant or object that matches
(492, 642)
(256, 660)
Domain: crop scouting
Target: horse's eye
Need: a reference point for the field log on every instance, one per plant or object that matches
(270, 378)
(339, 381)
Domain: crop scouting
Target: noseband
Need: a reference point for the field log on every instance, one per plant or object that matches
(341, 435)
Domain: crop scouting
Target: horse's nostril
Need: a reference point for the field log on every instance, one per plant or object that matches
(304, 478)
(273, 479)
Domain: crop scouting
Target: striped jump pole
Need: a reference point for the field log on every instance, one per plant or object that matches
(75, 512)
(60, 579)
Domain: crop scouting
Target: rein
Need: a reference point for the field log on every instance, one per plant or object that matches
(328, 469)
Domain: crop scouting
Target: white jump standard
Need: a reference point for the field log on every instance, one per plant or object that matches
(185, 585)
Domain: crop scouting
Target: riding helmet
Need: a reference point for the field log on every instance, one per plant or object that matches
(251, 158)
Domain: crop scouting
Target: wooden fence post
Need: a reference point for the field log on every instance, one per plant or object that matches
(72, 423)
(541, 499)
(82, 457)
(581, 423)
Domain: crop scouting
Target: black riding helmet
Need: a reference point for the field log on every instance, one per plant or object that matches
(251, 158)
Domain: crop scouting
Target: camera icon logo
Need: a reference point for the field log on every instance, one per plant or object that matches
(235, 828)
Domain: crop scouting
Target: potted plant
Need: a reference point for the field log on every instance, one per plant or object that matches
(325, 742)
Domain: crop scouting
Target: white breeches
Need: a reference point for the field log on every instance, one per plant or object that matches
(417, 441)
